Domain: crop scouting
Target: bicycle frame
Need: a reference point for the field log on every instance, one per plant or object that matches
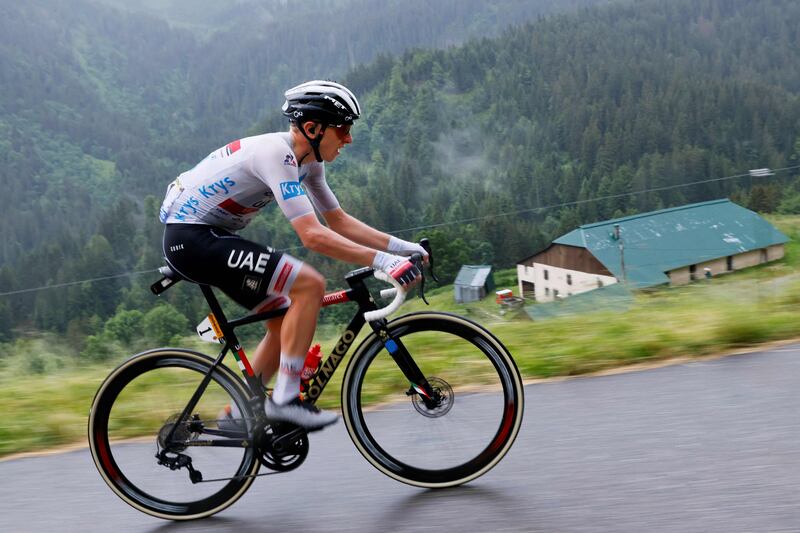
(358, 293)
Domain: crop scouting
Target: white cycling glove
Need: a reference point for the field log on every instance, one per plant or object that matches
(401, 269)
(401, 247)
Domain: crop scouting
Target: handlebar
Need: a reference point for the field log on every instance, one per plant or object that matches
(397, 290)
(399, 298)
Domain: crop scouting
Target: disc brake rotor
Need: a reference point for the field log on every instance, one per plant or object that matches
(443, 398)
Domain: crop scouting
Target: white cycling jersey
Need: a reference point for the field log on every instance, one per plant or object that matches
(229, 186)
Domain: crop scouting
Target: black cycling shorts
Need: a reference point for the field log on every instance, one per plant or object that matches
(254, 276)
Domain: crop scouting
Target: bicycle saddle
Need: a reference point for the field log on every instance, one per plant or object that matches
(170, 278)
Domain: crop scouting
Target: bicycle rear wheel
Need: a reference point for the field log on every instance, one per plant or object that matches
(132, 415)
(471, 427)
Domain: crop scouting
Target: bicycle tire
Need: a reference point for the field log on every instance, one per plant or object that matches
(108, 451)
(457, 333)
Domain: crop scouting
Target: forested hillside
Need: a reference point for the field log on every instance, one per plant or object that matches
(101, 107)
(96, 103)
(598, 103)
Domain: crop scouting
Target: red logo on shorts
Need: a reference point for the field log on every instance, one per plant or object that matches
(280, 283)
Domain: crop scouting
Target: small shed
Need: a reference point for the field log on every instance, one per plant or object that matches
(473, 283)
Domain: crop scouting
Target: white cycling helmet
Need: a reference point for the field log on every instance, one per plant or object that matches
(326, 102)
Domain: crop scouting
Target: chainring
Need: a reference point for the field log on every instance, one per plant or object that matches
(280, 451)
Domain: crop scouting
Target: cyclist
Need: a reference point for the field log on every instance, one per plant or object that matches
(205, 206)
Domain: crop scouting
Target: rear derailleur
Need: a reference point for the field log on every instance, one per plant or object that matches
(169, 452)
(178, 461)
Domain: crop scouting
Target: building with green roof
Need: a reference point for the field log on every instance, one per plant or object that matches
(672, 246)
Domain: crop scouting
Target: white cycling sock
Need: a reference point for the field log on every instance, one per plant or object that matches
(287, 384)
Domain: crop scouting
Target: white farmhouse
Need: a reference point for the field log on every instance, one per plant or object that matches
(672, 246)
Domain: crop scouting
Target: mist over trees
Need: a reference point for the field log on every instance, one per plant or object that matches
(99, 109)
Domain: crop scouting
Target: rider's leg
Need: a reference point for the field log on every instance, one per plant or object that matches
(297, 331)
(267, 355)
(265, 363)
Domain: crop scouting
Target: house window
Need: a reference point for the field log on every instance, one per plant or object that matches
(546, 275)
(569, 279)
(599, 283)
(693, 272)
(547, 291)
(729, 263)
(555, 293)
(763, 255)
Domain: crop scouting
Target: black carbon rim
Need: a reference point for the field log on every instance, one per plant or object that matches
(106, 462)
(505, 427)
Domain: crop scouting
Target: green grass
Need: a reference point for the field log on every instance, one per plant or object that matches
(46, 394)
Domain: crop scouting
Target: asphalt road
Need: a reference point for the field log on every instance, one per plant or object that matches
(709, 446)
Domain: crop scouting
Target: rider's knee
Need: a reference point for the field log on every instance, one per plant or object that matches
(309, 283)
(318, 284)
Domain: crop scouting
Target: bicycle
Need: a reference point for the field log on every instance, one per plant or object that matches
(399, 409)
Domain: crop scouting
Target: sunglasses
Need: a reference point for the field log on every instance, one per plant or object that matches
(342, 130)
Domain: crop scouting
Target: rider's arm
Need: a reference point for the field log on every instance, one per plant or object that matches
(284, 181)
(355, 230)
(323, 240)
(348, 226)
(345, 225)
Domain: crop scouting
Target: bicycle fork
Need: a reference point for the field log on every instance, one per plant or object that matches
(419, 383)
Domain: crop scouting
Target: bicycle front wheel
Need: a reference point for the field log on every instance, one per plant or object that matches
(470, 427)
(133, 421)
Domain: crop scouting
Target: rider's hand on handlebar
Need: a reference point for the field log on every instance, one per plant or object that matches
(406, 248)
(401, 269)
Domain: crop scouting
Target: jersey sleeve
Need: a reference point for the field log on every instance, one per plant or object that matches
(277, 169)
(318, 190)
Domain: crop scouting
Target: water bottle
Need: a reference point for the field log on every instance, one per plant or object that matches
(313, 358)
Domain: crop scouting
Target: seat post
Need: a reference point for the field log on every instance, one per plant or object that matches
(215, 307)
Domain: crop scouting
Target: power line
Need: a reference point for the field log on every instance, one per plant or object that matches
(758, 173)
(58, 285)
(588, 200)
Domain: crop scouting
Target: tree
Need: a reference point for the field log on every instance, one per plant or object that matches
(164, 322)
(98, 297)
(790, 205)
(6, 311)
(764, 198)
(118, 227)
(6, 319)
(125, 326)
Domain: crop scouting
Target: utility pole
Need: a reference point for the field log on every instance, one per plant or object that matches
(618, 238)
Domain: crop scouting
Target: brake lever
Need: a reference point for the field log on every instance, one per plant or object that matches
(418, 262)
(426, 244)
